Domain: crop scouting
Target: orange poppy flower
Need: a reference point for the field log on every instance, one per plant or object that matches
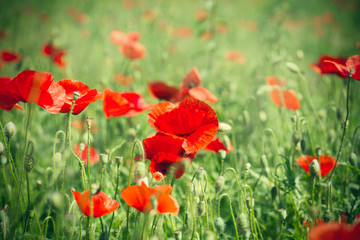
(101, 203)
(120, 38)
(40, 88)
(182, 32)
(8, 96)
(86, 97)
(327, 163)
(163, 91)
(352, 66)
(335, 231)
(201, 15)
(216, 145)
(127, 104)
(275, 81)
(192, 120)
(56, 54)
(235, 56)
(285, 97)
(325, 67)
(139, 197)
(94, 156)
(123, 79)
(133, 50)
(164, 152)
(206, 35)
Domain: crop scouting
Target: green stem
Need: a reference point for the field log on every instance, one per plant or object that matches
(231, 211)
(116, 191)
(344, 128)
(144, 226)
(281, 230)
(88, 155)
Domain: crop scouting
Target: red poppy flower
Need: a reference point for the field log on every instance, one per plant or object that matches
(133, 50)
(139, 197)
(86, 97)
(275, 81)
(327, 163)
(192, 120)
(118, 37)
(127, 104)
(216, 145)
(235, 56)
(40, 88)
(94, 156)
(56, 54)
(285, 97)
(325, 67)
(352, 66)
(163, 91)
(191, 79)
(164, 152)
(8, 96)
(335, 231)
(9, 56)
(101, 203)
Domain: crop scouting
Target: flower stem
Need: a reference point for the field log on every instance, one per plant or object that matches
(231, 212)
(116, 191)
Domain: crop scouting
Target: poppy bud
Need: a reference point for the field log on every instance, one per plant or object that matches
(246, 117)
(262, 116)
(274, 193)
(227, 142)
(224, 127)
(189, 187)
(219, 184)
(10, 130)
(318, 151)
(219, 225)
(29, 163)
(57, 157)
(296, 137)
(293, 67)
(300, 54)
(314, 168)
(104, 158)
(339, 114)
(3, 160)
(81, 148)
(247, 166)
(139, 172)
(282, 214)
(264, 161)
(88, 122)
(243, 223)
(118, 160)
(303, 145)
(201, 208)
(178, 234)
(221, 155)
(1, 147)
(298, 148)
(352, 158)
(209, 235)
(201, 171)
(328, 216)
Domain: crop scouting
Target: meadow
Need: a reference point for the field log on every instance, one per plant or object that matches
(186, 119)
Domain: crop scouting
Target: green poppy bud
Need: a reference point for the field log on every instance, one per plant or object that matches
(139, 172)
(293, 67)
(224, 127)
(10, 130)
(29, 163)
(314, 168)
(262, 116)
(201, 208)
(282, 214)
(219, 225)
(274, 192)
(296, 137)
(303, 145)
(178, 234)
(118, 160)
(247, 166)
(353, 159)
(104, 158)
(1, 147)
(221, 155)
(243, 223)
(209, 235)
(219, 184)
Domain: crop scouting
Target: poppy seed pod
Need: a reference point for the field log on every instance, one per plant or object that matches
(201, 208)
(76, 96)
(118, 160)
(221, 155)
(314, 168)
(219, 184)
(243, 223)
(29, 163)
(10, 130)
(219, 225)
(224, 127)
(282, 214)
(104, 158)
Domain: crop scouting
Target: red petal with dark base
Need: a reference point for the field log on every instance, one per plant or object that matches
(163, 91)
(191, 79)
(192, 120)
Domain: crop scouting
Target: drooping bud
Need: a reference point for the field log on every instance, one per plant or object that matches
(1, 147)
(221, 155)
(247, 166)
(178, 234)
(219, 184)
(201, 208)
(243, 223)
(274, 192)
(293, 67)
(314, 168)
(282, 214)
(219, 225)
(81, 148)
(224, 127)
(10, 130)
(29, 163)
(139, 172)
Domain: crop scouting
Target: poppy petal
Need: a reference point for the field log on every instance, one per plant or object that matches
(163, 91)
(103, 205)
(168, 204)
(203, 94)
(10, 56)
(327, 163)
(138, 197)
(114, 104)
(353, 63)
(304, 162)
(323, 66)
(191, 79)
(156, 144)
(216, 145)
